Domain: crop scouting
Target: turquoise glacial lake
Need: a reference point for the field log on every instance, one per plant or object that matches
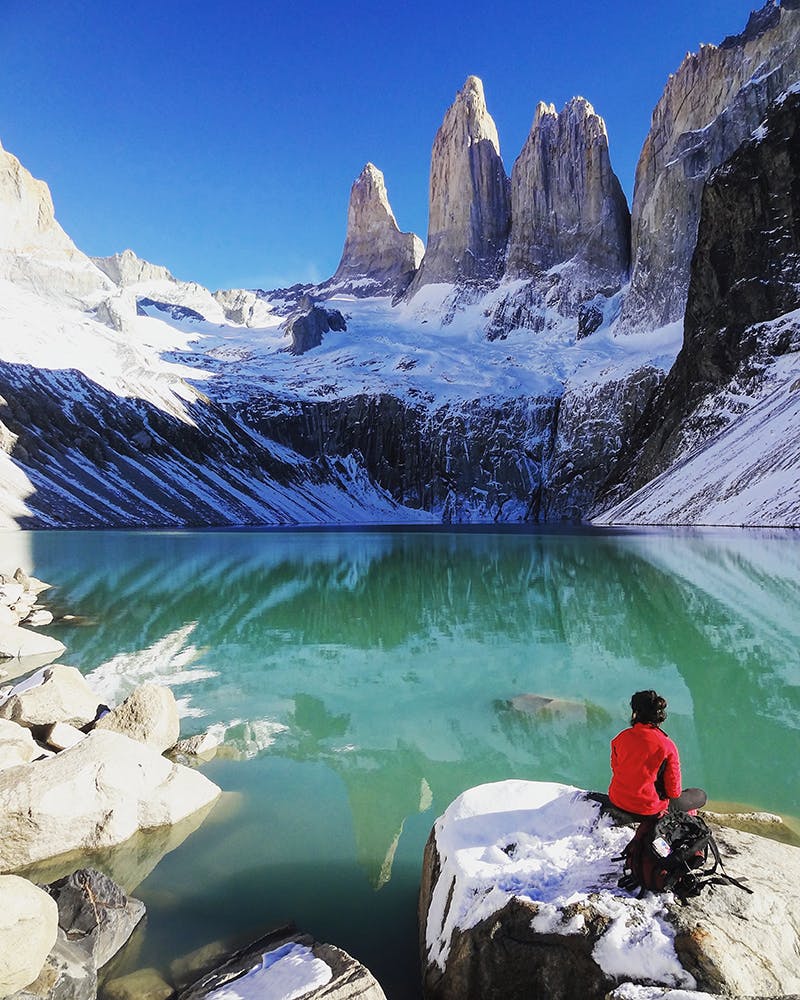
(360, 680)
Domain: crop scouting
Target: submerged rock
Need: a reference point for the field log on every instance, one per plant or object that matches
(94, 911)
(519, 897)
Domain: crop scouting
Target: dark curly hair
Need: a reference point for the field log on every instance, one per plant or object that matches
(647, 706)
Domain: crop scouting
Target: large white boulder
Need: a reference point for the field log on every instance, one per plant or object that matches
(17, 642)
(94, 795)
(54, 694)
(16, 745)
(149, 714)
(28, 930)
(519, 897)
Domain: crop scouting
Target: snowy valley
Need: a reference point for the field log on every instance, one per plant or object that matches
(546, 356)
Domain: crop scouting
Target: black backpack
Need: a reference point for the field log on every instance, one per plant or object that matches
(667, 854)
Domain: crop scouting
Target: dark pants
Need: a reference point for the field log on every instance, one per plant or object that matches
(690, 798)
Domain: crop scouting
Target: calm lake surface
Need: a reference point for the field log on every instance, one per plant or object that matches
(363, 679)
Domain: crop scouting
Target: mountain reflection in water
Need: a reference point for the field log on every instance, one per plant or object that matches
(389, 667)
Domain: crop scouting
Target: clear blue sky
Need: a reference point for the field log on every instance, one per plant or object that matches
(221, 138)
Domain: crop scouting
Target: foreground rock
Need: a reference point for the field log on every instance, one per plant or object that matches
(286, 963)
(17, 746)
(149, 714)
(519, 898)
(95, 919)
(96, 794)
(53, 694)
(28, 929)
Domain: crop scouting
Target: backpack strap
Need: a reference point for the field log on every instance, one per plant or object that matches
(710, 875)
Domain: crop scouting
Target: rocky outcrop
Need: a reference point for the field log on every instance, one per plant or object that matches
(245, 307)
(710, 106)
(377, 258)
(287, 963)
(566, 202)
(28, 930)
(469, 213)
(27, 222)
(307, 328)
(745, 277)
(595, 419)
(149, 714)
(93, 795)
(127, 269)
(138, 284)
(519, 897)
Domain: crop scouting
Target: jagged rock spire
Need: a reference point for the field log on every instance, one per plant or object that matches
(566, 202)
(469, 212)
(374, 247)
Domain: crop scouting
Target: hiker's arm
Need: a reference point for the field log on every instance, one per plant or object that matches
(672, 776)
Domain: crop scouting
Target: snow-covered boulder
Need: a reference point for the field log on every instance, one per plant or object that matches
(93, 795)
(519, 897)
(286, 964)
(149, 714)
(53, 694)
(28, 929)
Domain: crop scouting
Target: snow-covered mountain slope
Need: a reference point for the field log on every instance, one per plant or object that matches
(128, 397)
(747, 475)
(172, 418)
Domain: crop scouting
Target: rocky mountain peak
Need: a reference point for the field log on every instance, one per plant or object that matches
(35, 252)
(127, 269)
(377, 256)
(27, 216)
(709, 107)
(566, 201)
(469, 211)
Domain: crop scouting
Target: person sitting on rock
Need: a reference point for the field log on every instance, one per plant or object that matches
(645, 766)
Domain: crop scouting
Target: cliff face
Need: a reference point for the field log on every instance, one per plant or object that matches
(469, 212)
(35, 252)
(566, 201)
(710, 106)
(377, 258)
(744, 288)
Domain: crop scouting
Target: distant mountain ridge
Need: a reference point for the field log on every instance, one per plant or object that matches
(520, 367)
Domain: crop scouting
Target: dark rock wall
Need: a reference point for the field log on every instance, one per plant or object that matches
(745, 272)
(482, 458)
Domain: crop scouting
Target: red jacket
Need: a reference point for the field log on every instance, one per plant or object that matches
(636, 756)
